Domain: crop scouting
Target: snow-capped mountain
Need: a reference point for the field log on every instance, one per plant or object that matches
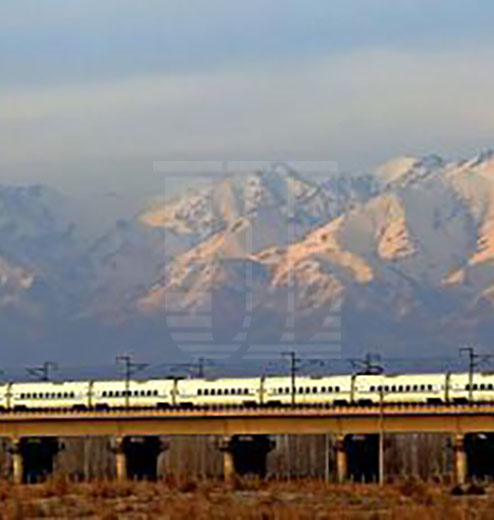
(411, 265)
(401, 260)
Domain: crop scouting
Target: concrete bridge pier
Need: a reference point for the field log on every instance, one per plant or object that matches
(460, 459)
(136, 458)
(17, 462)
(341, 459)
(118, 448)
(245, 455)
(33, 458)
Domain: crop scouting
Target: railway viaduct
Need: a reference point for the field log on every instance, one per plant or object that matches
(243, 433)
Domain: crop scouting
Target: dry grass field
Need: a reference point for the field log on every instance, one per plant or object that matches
(182, 498)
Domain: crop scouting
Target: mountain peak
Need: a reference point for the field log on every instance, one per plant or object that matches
(405, 169)
(484, 157)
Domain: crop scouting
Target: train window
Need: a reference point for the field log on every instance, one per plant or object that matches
(199, 391)
(59, 395)
(393, 388)
(22, 396)
(150, 393)
(482, 387)
(475, 387)
(430, 388)
(323, 389)
(489, 387)
(379, 388)
(103, 394)
(467, 387)
(372, 388)
(337, 389)
(213, 391)
(314, 390)
(206, 391)
(400, 388)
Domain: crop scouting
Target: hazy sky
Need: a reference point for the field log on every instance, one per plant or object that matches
(92, 91)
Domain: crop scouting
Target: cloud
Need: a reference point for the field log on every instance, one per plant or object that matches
(365, 101)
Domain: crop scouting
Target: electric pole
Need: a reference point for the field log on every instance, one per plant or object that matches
(130, 369)
(42, 373)
(294, 366)
(472, 364)
(474, 360)
(369, 365)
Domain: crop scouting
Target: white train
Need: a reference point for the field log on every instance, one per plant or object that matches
(336, 390)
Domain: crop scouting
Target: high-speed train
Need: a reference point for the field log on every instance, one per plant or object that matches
(333, 390)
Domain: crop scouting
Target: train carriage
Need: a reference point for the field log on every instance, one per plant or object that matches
(402, 388)
(481, 390)
(134, 393)
(309, 390)
(219, 392)
(48, 395)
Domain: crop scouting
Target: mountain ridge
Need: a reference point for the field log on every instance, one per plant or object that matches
(406, 253)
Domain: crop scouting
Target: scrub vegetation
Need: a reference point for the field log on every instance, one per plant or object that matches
(178, 498)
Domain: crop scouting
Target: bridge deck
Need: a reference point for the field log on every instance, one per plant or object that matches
(453, 419)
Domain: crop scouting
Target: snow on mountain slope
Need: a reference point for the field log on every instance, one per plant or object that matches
(15, 281)
(279, 194)
(407, 253)
(420, 249)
